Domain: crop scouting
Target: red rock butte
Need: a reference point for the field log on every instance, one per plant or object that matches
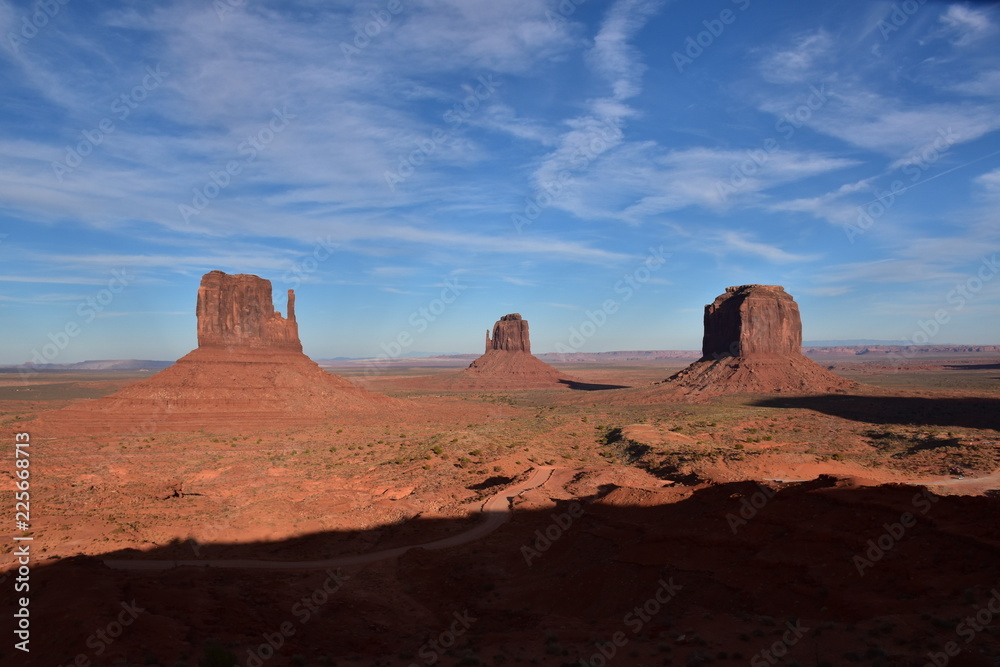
(752, 320)
(753, 344)
(508, 362)
(237, 312)
(248, 372)
(510, 333)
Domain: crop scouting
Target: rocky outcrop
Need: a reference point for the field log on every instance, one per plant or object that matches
(752, 320)
(248, 373)
(753, 344)
(237, 311)
(509, 333)
(508, 361)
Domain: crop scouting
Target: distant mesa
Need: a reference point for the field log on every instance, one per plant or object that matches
(508, 361)
(753, 344)
(752, 320)
(248, 371)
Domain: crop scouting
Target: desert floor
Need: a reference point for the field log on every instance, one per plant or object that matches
(540, 527)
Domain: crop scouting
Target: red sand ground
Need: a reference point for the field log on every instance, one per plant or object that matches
(737, 559)
(495, 370)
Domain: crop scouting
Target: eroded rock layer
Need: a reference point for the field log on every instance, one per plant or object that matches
(509, 333)
(750, 320)
(248, 372)
(753, 344)
(237, 311)
(508, 360)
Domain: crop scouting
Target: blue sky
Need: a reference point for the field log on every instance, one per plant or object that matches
(604, 168)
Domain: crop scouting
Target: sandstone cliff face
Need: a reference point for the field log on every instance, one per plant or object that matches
(237, 311)
(248, 372)
(508, 361)
(509, 333)
(753, 344)
(752, 320)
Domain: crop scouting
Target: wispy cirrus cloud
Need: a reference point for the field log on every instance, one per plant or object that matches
(964, 25)
(619, 64)
(741, 243)
(806, 60)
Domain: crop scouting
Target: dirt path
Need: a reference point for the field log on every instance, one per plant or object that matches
(973, 484)
(497, 510)
(980, 484)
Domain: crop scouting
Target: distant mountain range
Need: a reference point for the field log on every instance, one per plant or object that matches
(819, 348)
(844, 343)
(97, 365)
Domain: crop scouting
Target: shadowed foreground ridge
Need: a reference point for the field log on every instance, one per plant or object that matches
(753, 343)
(736, 579)
(247, 372)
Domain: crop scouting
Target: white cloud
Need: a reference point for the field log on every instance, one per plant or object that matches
(805, 61)
(989, 183)
(500, 36)
(639, 180)
(612, 55)
(521, 282)
(964, 25)
(740, 243)
(617, 62)
(891, 126)
(391, 271)
(827, 291)
(985, 84)
(503, 118)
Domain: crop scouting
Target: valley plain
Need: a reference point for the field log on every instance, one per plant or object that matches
(830, 529)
